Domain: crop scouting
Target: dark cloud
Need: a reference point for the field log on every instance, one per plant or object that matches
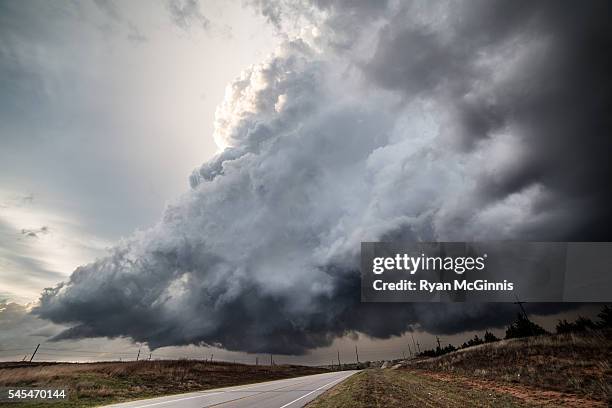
(501, 133)
(187, 14)
(537, 70)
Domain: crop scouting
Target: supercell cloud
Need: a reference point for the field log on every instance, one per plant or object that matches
(409, 121)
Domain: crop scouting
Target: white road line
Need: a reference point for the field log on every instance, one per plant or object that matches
(212, 393)
(180, 399)
(323, 386)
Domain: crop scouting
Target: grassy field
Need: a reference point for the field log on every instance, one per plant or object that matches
(402, 388)
(90, 384)
(570, 363)
(411, 388)
(560, 370)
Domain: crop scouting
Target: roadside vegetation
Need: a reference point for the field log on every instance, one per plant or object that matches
(577, 364)
(91, 384)
(404, 388)
(523, 327)
(529, 367)
(399, 388)
(564, 370)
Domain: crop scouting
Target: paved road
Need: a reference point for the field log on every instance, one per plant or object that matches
(290, 393)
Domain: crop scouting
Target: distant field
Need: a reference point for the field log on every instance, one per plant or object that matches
(92, 384)
(560, 370)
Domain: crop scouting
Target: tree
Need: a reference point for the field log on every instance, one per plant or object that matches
(564, 327)
(448, 349)
(606, 317)
(473, 342)
(523, 327)
(438, 351)
(581, 325)
(490, 337)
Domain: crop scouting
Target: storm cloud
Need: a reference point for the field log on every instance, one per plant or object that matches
(418, 121)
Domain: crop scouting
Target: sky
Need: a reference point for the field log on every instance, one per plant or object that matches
(174, 172)
(105, 109)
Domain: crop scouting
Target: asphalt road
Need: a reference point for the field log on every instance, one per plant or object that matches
(289, 393)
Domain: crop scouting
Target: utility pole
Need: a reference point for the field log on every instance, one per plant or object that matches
(138, 356)
(520, 304)
(271, 361)
(34, 353)
(339, 364)
(357, 354)
(413, 342)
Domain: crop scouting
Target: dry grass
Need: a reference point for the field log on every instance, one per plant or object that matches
(572, 363)
(405, 389)
(91, 384)
(547, 371)
(412, 388)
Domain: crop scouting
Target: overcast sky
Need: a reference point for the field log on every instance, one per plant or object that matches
(176, 170)
(105, 109)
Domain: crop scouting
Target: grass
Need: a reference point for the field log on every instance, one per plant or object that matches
(91, 384)
(561, 370)
(578, 364)
(402, 388)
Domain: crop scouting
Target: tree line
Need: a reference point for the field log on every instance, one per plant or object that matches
(523, 327)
